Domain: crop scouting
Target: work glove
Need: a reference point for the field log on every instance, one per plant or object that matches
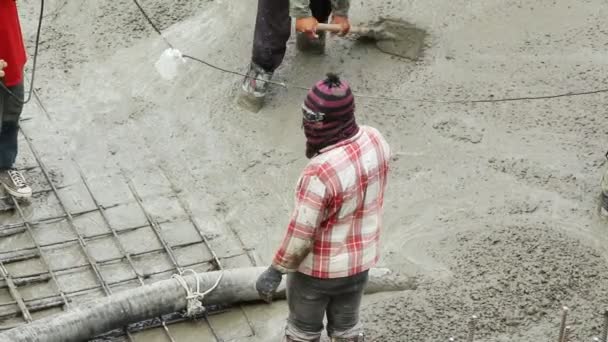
(267, 283)
(342, 21)
(307, 25)
(3, 65)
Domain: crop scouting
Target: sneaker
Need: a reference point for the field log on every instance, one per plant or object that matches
(254, 88)
(15, 184)
(311, 45)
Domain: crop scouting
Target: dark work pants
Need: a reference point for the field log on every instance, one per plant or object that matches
(273, 28)
(10, 111)
(310, 299)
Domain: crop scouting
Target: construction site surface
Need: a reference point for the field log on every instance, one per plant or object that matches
(492, 203)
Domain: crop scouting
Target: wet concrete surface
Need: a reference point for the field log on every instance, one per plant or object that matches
(178, 159)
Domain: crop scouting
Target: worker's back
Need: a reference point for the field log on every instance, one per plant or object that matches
(355, 174)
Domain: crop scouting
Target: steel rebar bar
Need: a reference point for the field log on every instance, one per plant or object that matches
(562, 327)
(604, 336)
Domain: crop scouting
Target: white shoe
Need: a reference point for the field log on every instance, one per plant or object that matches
(15, 184)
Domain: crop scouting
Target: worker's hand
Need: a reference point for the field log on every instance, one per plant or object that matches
(267, 283)
(342, 21)
(307, 25)
(3, 65)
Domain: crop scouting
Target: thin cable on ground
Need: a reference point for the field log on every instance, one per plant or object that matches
(149, 20)
(29, 96)
(507, 99)
(227, 71)
(195, 298)
(377, 97)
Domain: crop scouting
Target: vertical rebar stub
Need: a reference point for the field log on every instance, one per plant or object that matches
(567, 333)
(562, 327)
(604, 336)
(472, 328)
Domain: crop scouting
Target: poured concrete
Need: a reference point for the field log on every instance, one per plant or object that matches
(462, 175)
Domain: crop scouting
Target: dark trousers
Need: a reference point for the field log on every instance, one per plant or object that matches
(10, 111)
(310, 299)
(273, 28)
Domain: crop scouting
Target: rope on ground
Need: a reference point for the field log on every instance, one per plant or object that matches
(375, 97)
(195, 298)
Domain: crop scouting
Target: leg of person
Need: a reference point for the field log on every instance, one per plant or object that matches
(321, 10)
(343, 310)
(307, 304)
(11, 179)
(272, 31)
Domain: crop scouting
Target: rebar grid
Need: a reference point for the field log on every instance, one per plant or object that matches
(15, 294)
(43, 259)
(39, 303)
(53, 219)
(70, 219)
(108, 262)
(157, 231)
(87, 238)
(34, 305)
(188, 212)
(63, 298)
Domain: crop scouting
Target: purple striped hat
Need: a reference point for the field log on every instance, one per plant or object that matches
(328, 114)
(332, 99)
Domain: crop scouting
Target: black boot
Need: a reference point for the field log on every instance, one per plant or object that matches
(254, 88)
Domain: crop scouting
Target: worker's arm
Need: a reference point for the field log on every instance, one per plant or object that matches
(305, 22)
(299, 9)
(340, 7)
(2, 66)
(311, 200)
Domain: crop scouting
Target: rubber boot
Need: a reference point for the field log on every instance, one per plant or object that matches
(311, 45)
(254, 88)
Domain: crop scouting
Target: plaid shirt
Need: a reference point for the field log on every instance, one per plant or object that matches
(335, 227)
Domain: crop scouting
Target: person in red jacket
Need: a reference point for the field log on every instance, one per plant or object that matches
(12, 60)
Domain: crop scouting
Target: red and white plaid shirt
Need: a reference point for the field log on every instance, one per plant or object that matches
(335, 227)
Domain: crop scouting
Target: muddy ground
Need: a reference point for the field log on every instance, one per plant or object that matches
(493, 204)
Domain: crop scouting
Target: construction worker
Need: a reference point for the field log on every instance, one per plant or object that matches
(332, 238)
(272, 31)
(12, 60)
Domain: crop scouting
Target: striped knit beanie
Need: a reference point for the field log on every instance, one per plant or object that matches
(329, 114)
